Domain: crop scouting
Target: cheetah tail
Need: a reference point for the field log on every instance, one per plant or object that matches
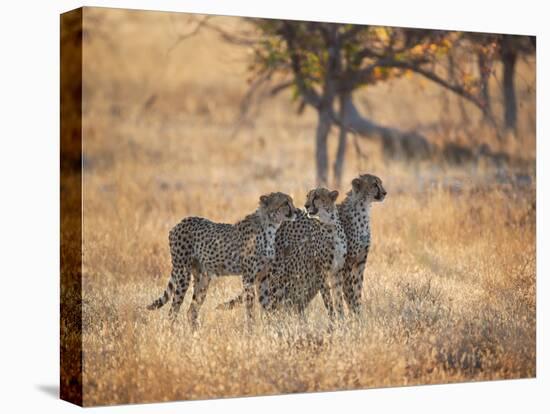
(237, 300)
(158, 303)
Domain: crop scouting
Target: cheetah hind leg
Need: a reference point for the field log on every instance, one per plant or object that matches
(183, 278)
(168, 292)
(200, 287)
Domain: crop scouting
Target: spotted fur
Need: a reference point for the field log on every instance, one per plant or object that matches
(205, 249)
(309, 255)
(354, 216)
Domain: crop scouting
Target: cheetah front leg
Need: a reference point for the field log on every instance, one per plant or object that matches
(231, 304)
(337, 292)
(327, 299)
(249, 297)
(353, 286)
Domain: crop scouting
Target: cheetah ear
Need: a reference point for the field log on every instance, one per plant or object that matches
(263, 200)
(356, 184)
(333, 195)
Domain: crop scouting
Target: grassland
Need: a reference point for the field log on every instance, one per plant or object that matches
(450, 283)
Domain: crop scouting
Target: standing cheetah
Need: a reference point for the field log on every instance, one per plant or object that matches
(205, 249)
(310, 253)
(354, 215)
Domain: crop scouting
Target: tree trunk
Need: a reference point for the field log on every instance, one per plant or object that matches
(321, 150)
(338, 166)
(484, 72)
(509, 57)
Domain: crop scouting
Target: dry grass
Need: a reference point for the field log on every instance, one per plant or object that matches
(450, 283)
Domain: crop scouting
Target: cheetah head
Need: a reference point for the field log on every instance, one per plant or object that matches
(368, 188)
(277, 207)
(320, 202)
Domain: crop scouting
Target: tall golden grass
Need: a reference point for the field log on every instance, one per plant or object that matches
(450, 282)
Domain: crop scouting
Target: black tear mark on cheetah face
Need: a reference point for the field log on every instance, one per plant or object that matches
(320, 202)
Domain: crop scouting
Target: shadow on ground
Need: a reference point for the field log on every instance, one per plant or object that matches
(49, 389)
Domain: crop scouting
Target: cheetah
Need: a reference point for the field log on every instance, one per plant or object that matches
(309, 255)
(205, 249)
(354, 215)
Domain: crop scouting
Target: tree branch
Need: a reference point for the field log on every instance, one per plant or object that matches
(281, 87)
(191, 33)
(309, 95)
(363, 75)
(442, 82)
(355, 30)
(249, 98)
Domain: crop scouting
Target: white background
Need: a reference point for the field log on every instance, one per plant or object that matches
(29, 203)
